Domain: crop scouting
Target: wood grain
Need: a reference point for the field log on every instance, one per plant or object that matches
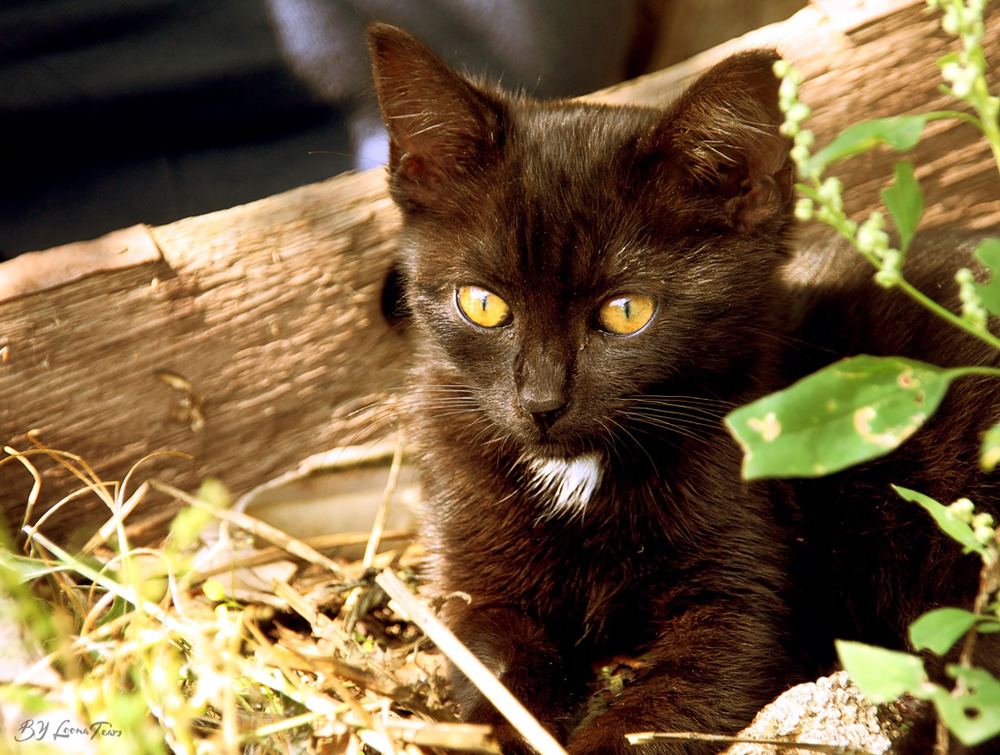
(270, 311)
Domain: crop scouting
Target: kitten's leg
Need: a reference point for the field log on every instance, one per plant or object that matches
(521, 654)
(710, 671)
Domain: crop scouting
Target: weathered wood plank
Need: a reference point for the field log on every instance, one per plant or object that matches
(271, 312)
(866, 60)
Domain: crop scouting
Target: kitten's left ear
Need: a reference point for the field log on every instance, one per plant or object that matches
(440, 126)
(724, 130)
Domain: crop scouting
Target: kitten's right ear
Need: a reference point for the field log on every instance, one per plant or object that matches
(725, 132)
(440, 126)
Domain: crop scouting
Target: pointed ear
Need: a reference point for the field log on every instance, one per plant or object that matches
(440, 126)
(724, 131)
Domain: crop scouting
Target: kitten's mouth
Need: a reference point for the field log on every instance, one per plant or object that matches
(564, 486)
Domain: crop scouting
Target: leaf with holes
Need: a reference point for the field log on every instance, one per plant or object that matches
(849, 412)
(974, 716)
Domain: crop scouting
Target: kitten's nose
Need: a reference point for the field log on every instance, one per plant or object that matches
(543, 409)
(542, 389)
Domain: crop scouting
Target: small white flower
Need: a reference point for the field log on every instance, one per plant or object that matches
(804, 209)
(962, 510)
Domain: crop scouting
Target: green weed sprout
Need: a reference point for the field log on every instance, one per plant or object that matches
(864, 407)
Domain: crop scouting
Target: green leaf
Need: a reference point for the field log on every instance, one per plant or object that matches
(990, 626)
(851, 411)
(938, 630)
(905, 202)
(882, 674)
(25, 569)
(946, 520)
(898, 132)
(989, 452)
(988, 252)
(974, 716)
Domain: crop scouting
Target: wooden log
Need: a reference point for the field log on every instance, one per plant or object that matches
(254, 337)
(870, 59)
(266, 321)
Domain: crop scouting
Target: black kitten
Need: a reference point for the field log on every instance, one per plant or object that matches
(595, 288)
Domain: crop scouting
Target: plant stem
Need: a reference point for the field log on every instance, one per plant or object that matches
(989, 583)
(925, 301)
(848, 229)
(958, 115)
(987, 121)
(984, 371)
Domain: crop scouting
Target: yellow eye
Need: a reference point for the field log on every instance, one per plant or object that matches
(625, 315)
(483, 307)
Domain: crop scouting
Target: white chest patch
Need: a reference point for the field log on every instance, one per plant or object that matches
(566, 485)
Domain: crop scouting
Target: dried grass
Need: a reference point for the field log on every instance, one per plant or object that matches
(177, 649)
(235, 637)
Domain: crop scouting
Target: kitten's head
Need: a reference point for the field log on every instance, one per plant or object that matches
(573, 266)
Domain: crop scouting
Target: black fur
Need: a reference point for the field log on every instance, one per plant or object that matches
(729, 592)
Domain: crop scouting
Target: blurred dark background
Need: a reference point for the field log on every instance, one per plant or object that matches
(115, 112)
